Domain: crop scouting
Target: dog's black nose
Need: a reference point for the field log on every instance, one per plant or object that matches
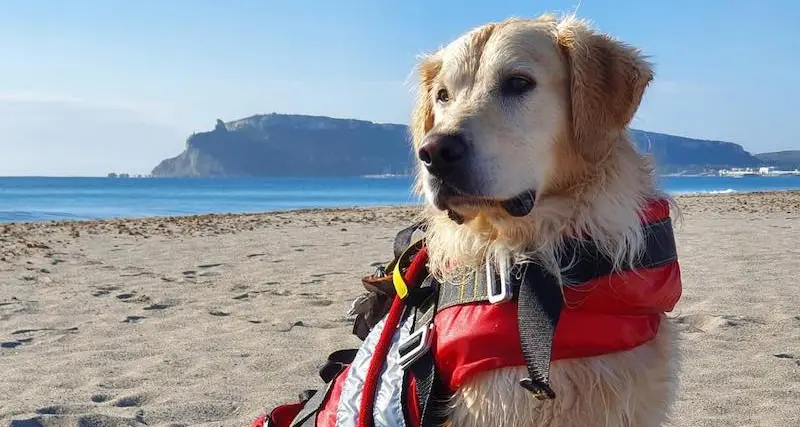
(441, 153)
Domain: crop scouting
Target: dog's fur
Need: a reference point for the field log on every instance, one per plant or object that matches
(566, 140)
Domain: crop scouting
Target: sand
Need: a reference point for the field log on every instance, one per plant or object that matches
(210, 320)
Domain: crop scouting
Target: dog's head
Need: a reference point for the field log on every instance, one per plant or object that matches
(521, 108)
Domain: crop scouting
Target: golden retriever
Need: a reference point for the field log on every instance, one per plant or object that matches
(541, 106)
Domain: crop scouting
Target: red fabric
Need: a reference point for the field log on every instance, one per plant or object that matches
(655, 211)
(609, 314)
(378, 359)
(259, 422)
(327, 413)
(281, 416)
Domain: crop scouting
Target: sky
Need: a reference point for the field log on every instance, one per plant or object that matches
(89, 87)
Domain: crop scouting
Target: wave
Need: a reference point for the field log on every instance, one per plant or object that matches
(385, 175)
(698, 192)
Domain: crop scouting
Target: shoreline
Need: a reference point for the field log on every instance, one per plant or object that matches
(324, 210)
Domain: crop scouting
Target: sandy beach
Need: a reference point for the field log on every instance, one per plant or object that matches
(210, 320)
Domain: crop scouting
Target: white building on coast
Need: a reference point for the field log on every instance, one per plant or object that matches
(762, 171)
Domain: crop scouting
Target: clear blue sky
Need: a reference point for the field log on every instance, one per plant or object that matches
(88, 87)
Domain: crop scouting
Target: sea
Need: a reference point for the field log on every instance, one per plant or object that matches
(25, 199)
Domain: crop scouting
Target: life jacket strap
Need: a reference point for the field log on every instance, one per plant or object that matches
(430, 389)
(539, 294)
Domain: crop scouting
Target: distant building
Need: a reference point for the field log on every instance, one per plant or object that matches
(762, 171)
(738, 172)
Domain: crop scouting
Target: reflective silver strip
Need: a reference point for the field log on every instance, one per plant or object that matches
(388, 410)
(347, 411)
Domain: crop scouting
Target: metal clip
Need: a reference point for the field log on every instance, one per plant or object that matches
(498, 292)
(415, 345)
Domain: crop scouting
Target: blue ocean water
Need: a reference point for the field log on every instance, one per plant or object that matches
(39, 199)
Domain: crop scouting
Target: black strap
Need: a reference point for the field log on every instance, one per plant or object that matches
(539, 307)
(582, 260)
(404, 238)
(313, 399)
(307, 417)
(429, 388)
(335, 363)
(424, 371)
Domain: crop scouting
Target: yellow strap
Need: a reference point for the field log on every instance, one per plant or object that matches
(399, 284)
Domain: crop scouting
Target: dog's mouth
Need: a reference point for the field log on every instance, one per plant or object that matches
(452, 200)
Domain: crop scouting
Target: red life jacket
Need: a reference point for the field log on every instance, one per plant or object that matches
(610, 313)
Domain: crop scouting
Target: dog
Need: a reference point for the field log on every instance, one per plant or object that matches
(520, 128)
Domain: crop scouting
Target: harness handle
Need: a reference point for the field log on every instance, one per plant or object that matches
(411, 278)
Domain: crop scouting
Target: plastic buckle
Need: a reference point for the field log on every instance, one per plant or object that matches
(415, 346)
(498, 291)
(539, 389)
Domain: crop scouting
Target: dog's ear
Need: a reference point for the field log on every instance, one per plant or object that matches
(422, 114)
(607, 82)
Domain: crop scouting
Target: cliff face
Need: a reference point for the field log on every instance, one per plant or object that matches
(290, 145)
(295, 145)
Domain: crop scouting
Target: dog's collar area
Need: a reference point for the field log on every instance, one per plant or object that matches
(520, 205)
(517, 206)
(455, 216)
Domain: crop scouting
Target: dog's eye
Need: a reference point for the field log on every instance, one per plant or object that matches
(516, 85)
(442, 96)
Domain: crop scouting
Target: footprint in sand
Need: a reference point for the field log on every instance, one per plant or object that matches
(132, 297)
(78, 420)
(788, 356)
(64, 410)
(157, 306)
(10, 344)
(255, 255)
(138, 273)
(104, 290)
(320, 302)
(298, 323)
(26, 336)
(208, 274)
(708, 323)
(16, 343)
(332, 273)
(130, 401)
(219, 313)
(316, 299)
(100, 398)
(205, 266)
